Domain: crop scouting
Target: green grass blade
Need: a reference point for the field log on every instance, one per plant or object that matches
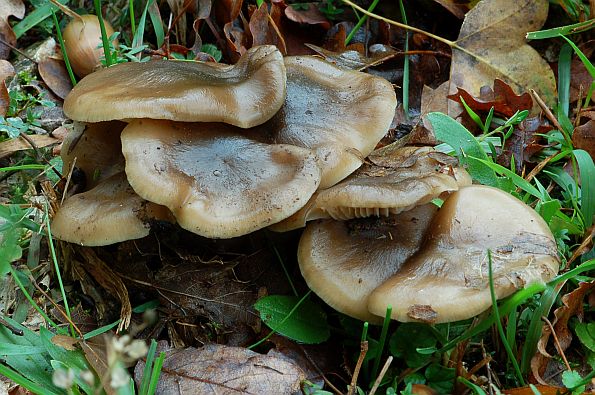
(156, 373)
(157, 24)
(146, 379)
(382, 341)
(22, 167)
(360, 22)
(34, 18)
(63, 49)
(564, 61)
(101, 330)
(588, 65)
(23, 381)
(405, 87)
(131, 14)
(496, 313)
(562, 30)
(137, 41)
(477, 390)
(587, 172)
(104, 37)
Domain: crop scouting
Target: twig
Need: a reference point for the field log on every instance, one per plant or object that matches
(539, 167)
(17, 50)
(56, 306)
(358, 366)
(389, 360)
(546, 110)
(557, 342)
(326, 381)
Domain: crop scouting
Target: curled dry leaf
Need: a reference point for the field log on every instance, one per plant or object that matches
(225, 370)
(264, 27)
(457, 8)
(311, 15)
(488, 48)
(572, 306)
(8, 8)
(6, 71)
(54, 74)
(502, 98)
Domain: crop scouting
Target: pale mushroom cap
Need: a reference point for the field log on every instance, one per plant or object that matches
(392, 183)
(341, 114)
(218, 183)
(109, 213)
(245, 94)
(97, 150)
(447, 280)
(343, 262)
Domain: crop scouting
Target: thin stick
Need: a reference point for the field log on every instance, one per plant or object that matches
(362, 355)
(557, 342)
(389, 360)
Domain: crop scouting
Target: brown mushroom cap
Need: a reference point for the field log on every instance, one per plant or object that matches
(344, 261)
(109, 213)
(395, 181)
(97, 150)
(218, 183)
(447, 280)
(245, 94)
(341, 114)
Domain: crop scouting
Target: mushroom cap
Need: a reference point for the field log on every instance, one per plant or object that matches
(344, 261)
(218, 183)
(245, 94)
(97, 150)
(393, 182)
(109, 213)
(447, 280)
(341, 114)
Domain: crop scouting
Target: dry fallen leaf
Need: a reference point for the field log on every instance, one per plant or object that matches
(225, 370)
(457, 8)
(572, 306)
(492, 45)
(584, 138)
(15, 8)
(11, 146)
(311, 15)
(54, 74)
(6, 71)
(502, 98)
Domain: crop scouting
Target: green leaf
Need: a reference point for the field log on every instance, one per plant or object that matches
(587, 172)
(572, 379)
(307, 324)
(440, 378)
(407, 341)
(34, 18)
(10, 250)
(464, 144)
(586, 334)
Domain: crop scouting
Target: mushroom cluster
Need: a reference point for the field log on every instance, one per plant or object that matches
(225, 150)
(422, 261)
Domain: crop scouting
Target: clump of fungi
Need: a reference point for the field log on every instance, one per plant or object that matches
(225, 150)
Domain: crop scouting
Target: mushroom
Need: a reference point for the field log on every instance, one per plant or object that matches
(344, 261)
(446, 279)
(82, 42)
(109, 213)
(393, 181)
(217, 182)
(341, 114)
(245, 94)
(95, 149)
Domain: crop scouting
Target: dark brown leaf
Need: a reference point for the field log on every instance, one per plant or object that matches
(7, 39)
(225, 370)
(54, 74)
(457, 8)
(6, 71)
(584, 137)
(502, 98)
(265, 30)
(311, 15)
